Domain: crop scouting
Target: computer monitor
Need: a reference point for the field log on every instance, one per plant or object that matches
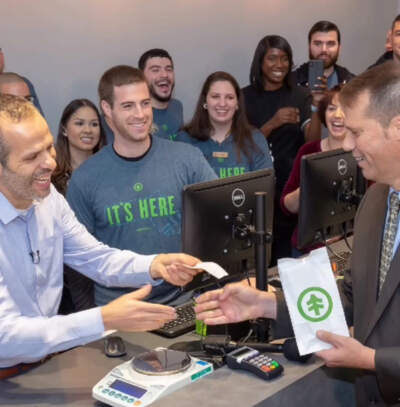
(219, 222)
(331, 187)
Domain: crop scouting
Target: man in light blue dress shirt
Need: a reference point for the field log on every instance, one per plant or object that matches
(39, 232)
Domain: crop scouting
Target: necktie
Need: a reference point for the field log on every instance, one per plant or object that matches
(389, 237)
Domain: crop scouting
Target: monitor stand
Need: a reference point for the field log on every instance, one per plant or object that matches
(261, 239)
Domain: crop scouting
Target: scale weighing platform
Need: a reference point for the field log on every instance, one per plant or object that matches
(149, 376)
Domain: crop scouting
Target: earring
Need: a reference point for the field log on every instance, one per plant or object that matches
(205, 106)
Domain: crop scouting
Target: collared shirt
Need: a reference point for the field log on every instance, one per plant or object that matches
(33, 247)
(332, 80)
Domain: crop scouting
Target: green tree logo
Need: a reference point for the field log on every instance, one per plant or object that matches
(315, 304)
(138, 187)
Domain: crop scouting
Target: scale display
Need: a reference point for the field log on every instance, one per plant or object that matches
(148, 377)
(128, 389)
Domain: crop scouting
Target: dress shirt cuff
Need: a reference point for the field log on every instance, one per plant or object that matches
(89, 323)
(141, 269)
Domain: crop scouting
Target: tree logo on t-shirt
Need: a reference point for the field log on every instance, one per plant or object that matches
(138, 187)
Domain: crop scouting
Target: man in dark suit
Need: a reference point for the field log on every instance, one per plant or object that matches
(371, 292)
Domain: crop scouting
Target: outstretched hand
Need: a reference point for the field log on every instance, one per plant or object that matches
(129, 313)
(234, 303)
(173, 268)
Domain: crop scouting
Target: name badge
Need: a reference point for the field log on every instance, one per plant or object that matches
(220, 154)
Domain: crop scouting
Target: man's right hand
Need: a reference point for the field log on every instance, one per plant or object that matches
(129, 313)
(234, 303)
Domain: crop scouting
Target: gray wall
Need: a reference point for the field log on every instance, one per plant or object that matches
(64, 46)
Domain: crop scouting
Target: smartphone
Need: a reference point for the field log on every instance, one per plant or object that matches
(315, 70)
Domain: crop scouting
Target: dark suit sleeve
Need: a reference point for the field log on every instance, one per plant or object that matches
(282, 326)
(387, 364)
(346, 295)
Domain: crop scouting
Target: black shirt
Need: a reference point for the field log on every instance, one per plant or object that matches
(286, 140)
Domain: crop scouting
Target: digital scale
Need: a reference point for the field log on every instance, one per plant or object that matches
(149, 376)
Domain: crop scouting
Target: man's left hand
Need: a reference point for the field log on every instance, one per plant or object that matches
(173, 268)
(346, 352)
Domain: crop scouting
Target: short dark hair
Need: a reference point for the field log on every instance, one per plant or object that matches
(323, 26)
(266, 43)
(326, 101)
(118, 76)
(153, 53)
(382, 83)
(397, 19)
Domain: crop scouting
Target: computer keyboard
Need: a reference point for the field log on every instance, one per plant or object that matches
(340, 262)
(185, 322)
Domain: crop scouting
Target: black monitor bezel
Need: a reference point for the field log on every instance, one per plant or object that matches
(229, 182)
(312, 201)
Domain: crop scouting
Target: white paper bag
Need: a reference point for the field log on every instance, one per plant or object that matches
(312, 298)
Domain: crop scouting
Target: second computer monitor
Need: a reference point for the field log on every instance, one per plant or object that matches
(331, 187)
(219, 217)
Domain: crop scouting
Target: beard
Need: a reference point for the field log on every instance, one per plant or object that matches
(161, 98)
(327, 62)
(21, 186)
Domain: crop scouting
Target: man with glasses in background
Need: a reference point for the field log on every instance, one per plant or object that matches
(12, 77)
(13, 84)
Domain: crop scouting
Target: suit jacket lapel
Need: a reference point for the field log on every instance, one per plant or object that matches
(392, 277)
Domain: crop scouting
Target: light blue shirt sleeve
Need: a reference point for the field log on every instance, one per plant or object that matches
(30, 291)
(108, 266)
(28, 338)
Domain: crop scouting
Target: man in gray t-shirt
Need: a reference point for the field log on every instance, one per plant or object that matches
(129, 194)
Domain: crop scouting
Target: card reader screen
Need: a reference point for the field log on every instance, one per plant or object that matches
(127, 388)
(240, 352)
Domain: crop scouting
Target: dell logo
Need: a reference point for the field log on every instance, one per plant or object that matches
(342, 166)
(238, 197)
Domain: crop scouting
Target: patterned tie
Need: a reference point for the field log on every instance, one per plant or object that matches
(389, 237)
